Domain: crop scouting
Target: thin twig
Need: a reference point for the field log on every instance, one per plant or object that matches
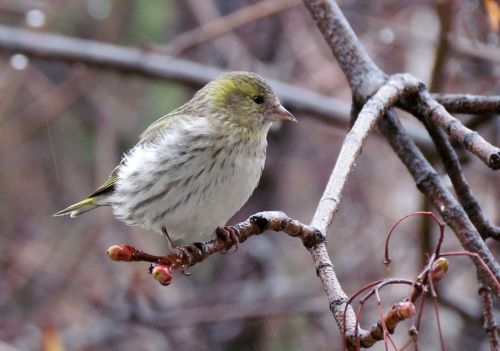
(489, 324)
(49, 104)
(445, 12)
(232, 48)
(225, 24)
(466, 103)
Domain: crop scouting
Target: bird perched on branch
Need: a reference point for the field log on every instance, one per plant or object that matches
(194, 168)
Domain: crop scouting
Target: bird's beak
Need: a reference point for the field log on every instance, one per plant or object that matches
(279, 113)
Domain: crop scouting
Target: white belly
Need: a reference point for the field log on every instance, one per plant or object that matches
(188, 193)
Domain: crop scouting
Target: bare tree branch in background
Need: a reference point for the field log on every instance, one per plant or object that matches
(158, 66)
(223, 25)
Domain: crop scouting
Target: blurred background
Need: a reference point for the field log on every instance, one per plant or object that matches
(64, 126)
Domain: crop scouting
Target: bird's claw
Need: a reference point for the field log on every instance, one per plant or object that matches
(180, 252)
(187, 253)
(228, 234)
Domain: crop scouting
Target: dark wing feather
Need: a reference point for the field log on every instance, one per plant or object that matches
(109, 184)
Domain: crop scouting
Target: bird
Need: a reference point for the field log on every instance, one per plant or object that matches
(195, 167)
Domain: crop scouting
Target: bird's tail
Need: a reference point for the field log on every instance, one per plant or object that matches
(80, 207)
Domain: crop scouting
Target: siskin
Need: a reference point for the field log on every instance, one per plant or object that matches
(194, 168)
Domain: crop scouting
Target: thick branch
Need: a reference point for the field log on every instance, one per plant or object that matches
(429, 183)
(388, 95)
(474, 142)
(328, 206)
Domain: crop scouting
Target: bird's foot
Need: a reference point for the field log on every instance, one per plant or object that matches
(186, 254)
(228, 234)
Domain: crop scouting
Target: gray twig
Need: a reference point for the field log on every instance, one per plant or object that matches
(466, 103)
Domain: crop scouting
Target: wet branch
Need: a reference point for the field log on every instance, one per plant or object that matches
(189, 255)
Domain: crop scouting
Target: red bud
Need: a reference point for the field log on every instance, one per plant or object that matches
(120, 252)
(162, 274)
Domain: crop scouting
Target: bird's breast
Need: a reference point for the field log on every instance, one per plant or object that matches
(190, 185)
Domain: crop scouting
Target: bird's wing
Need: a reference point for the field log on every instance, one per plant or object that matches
(153, 130)
(148, 135)
(163, 123)
(109, 184)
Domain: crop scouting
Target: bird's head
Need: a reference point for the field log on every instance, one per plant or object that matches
(245, 99)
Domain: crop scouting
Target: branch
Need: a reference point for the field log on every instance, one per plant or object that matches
(361, 72)
(384, 98)
(365, 77)
(158, 66)
(489, 324)
(429, 183)
(446, 14)
(474, 142)
(189, 255)
(388, 95)
(460, 184)
(222, 25)
(466, 103)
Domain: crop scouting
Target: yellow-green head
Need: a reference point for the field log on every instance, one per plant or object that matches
(243, 99)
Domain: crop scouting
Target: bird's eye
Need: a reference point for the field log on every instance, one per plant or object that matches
(258, 99)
